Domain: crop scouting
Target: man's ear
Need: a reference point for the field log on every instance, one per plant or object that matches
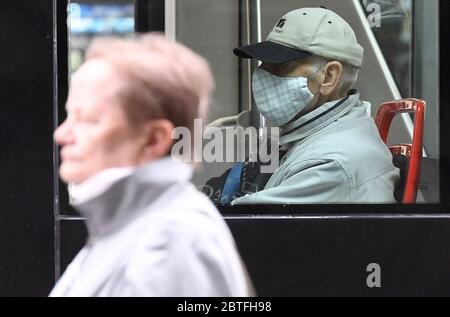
(330, 78)
(158, 139)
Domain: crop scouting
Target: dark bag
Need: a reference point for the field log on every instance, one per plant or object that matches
(244, 178)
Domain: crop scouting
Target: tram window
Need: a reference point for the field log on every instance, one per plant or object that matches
(400, 61)
(393, 34)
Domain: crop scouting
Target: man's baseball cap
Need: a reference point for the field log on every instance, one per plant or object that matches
(305, 32)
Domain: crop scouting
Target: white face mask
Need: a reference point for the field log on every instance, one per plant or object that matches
(280, 99)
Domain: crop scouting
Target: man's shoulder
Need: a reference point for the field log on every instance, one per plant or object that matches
(349, 135)
(353, 144)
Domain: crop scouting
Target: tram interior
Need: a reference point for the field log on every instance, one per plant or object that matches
(399, 37)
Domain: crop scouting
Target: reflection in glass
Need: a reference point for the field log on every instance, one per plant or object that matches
(94, 18)
(394, 35)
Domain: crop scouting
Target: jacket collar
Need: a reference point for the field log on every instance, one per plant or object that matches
(114, 197)
(318, 119)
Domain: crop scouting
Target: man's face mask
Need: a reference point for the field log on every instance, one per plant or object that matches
(280, 99)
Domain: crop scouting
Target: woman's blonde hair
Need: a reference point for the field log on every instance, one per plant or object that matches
(162, 79)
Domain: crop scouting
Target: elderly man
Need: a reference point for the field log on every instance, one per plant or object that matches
(310, 62)
(151, 233)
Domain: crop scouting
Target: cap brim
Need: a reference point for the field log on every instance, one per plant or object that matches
(270, 52)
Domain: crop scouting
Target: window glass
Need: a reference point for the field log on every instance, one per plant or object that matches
(88, 19)
(330, 151)
(393, 29)
(393, 35)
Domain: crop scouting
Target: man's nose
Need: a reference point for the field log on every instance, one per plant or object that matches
(63, 134)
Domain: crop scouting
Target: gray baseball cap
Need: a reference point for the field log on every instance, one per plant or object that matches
(305, 32)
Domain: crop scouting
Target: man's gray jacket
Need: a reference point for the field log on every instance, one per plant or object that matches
(334, 155)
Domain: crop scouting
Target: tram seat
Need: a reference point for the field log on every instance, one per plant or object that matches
(407, 157)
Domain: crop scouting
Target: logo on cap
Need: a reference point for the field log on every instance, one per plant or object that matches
(281, 23)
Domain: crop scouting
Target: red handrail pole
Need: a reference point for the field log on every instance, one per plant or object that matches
(414, 170)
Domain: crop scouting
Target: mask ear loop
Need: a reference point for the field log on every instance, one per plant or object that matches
(316, 95)
(320, 69)
(315, 74)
